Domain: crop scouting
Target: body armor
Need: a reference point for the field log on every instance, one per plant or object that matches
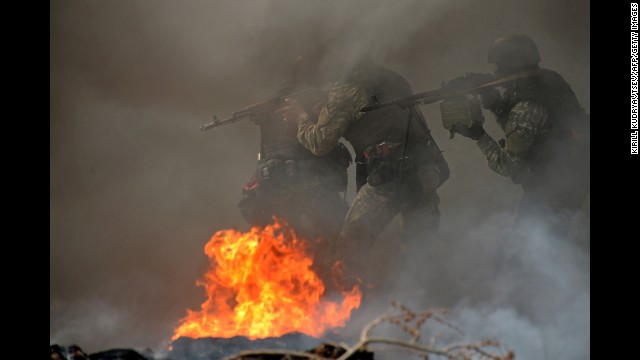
(563, 151)
(397, 137)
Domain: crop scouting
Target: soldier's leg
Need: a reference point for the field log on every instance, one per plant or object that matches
(420, 204)
(421, 219)
(416, 259)
(324, 212)
(371, 211)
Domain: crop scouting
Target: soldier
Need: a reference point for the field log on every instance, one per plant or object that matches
(290, 182)
(546, 145)
(399, 165)
(546, 151)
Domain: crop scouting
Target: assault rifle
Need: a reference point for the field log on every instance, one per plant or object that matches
(259, 110)
(468, 84)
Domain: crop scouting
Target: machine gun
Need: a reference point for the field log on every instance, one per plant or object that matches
(468, 84)
(456, 109)
(260, 110)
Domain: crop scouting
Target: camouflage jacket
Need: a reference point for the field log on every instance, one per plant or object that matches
(526, 122)
(546, 133)
(343, 107)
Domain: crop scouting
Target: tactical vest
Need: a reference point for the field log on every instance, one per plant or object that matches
(403, 127)
(280, 146)
(387, 124)
(563, 152)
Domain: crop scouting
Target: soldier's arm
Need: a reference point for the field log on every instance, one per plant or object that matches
(343, 106)
(527, 121)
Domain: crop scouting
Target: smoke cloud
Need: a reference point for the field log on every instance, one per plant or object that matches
(137, 189)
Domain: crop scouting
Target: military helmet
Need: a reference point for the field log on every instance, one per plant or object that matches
(514, 51)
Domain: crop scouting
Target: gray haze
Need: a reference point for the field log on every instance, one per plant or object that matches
(137, 189)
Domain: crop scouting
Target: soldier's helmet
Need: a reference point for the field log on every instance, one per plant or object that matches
(514, 51)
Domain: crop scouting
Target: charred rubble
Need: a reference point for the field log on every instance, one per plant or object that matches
(236, 348)
(412, 338)
(74, 352)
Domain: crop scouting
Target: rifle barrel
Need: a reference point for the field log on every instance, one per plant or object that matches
(431, 96)
(261, 107)
(235, 116)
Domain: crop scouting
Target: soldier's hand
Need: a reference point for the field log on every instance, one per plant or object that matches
(490, 98)
(291, 110)
(474, 132)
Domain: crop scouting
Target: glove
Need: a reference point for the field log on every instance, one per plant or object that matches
(491, 98)
(473, 132)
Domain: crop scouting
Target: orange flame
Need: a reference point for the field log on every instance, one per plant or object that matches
(260, 284)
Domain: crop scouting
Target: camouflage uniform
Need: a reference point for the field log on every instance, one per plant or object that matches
(294, 185)
(395, 154)
(546, 151)
(546, 148)
(546, 145)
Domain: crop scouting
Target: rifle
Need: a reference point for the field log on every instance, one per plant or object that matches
(467, 84)
(260, 110)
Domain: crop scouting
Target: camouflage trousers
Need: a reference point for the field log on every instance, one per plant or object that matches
(373, 209)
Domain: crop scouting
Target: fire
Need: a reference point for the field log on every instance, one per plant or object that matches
(260, 284)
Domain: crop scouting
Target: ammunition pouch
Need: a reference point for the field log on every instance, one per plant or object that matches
(460, 114)
(379, 171)
(275, 171)
(384, 164)
(256, 193)
(405, 167)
